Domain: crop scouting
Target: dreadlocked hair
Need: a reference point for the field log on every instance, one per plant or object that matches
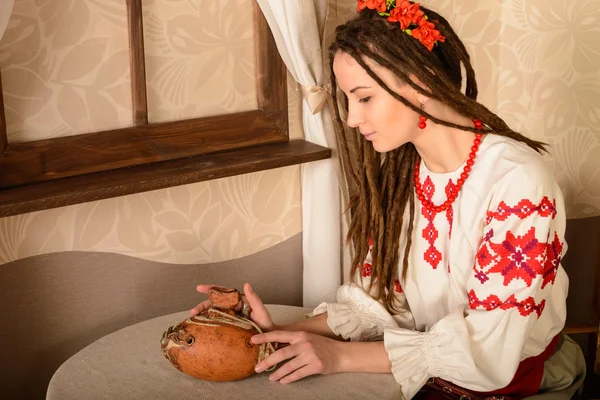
(384, 183)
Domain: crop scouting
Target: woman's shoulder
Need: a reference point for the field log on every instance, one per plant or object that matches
(506, 161)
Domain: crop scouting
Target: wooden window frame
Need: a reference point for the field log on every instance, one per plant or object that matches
(69, 170)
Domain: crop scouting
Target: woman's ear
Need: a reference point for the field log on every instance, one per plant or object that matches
(421, 98)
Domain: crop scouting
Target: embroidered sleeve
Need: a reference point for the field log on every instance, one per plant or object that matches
(511, 294)
(519, 257)
(357, 316)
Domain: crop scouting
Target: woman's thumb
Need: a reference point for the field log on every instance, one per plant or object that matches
(251, 296)
(254, 301)
(260, 314)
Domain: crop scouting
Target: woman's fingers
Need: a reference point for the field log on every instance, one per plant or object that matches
(278, 336)
(205, 305)
(298, 374)
(252, 298)
(275, 358)
(256, 309)
(206, 288)
(259, 312)
(203, 288)
(288, 368)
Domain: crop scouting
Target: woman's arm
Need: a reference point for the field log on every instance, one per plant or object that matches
(364, 357)
(317, 325)
(309, 354)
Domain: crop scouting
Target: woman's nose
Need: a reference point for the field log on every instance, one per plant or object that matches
(354, 118)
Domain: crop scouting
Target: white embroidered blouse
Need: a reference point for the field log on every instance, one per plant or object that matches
(484, 289)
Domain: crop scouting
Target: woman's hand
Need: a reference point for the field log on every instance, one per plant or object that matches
(309, 354)
(259, 313)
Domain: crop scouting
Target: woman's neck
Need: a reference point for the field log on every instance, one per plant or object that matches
(444, 149)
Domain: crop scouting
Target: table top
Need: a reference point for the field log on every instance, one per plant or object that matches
(129, 364)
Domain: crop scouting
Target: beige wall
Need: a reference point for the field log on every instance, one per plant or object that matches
(65, 71)
(536, 62)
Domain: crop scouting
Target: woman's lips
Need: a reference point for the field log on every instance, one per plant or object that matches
(369, 136)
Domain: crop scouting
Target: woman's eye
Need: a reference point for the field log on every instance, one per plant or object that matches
(365, 99)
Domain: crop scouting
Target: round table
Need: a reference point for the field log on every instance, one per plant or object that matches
(129, 364)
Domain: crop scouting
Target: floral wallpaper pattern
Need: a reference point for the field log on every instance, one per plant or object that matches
(65, 70)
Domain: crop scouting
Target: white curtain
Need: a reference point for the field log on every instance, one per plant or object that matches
(297, 27)
(5, 10)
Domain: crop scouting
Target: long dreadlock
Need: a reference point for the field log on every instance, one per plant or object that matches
(383, 190)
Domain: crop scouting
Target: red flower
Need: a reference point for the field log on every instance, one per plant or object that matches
(405, 13)
(378, 5)
(427, 34)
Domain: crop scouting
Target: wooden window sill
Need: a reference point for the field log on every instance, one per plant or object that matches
(160, 175)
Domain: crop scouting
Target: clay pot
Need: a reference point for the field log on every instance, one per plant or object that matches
(215, 345)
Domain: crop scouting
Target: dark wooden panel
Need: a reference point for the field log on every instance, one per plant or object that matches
(271, 73)
(3, 137)
(580, 328)
(137, 62)
(596, 307)
(44, 160)
(102, 185)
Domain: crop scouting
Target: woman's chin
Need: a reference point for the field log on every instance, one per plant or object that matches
(376, 148)
(381, 147)
(385, 147)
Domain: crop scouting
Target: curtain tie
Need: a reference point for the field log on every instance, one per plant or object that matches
(316, 97)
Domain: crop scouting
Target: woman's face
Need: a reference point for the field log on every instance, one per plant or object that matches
(380, 118)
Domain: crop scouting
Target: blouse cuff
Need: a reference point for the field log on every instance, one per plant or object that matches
(356, 316)
(417, 356)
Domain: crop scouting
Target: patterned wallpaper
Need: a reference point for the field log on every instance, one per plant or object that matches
(537, 67)
(65, 71)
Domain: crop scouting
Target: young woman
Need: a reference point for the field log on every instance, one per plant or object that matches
(457, 226)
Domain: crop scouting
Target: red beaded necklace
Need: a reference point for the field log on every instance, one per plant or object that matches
(463, 176)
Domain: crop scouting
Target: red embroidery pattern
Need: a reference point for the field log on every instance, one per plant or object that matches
(552, 261)
(519, 257)
(516, 257)
(525, 307)
(430, 233)
(522, 210)
(366, 270)
(483, 258)
(398, 287)
(367, 267)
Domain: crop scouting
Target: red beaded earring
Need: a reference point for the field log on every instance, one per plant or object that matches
(422, 118)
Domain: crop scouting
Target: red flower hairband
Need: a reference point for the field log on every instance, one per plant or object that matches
(412, 20)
